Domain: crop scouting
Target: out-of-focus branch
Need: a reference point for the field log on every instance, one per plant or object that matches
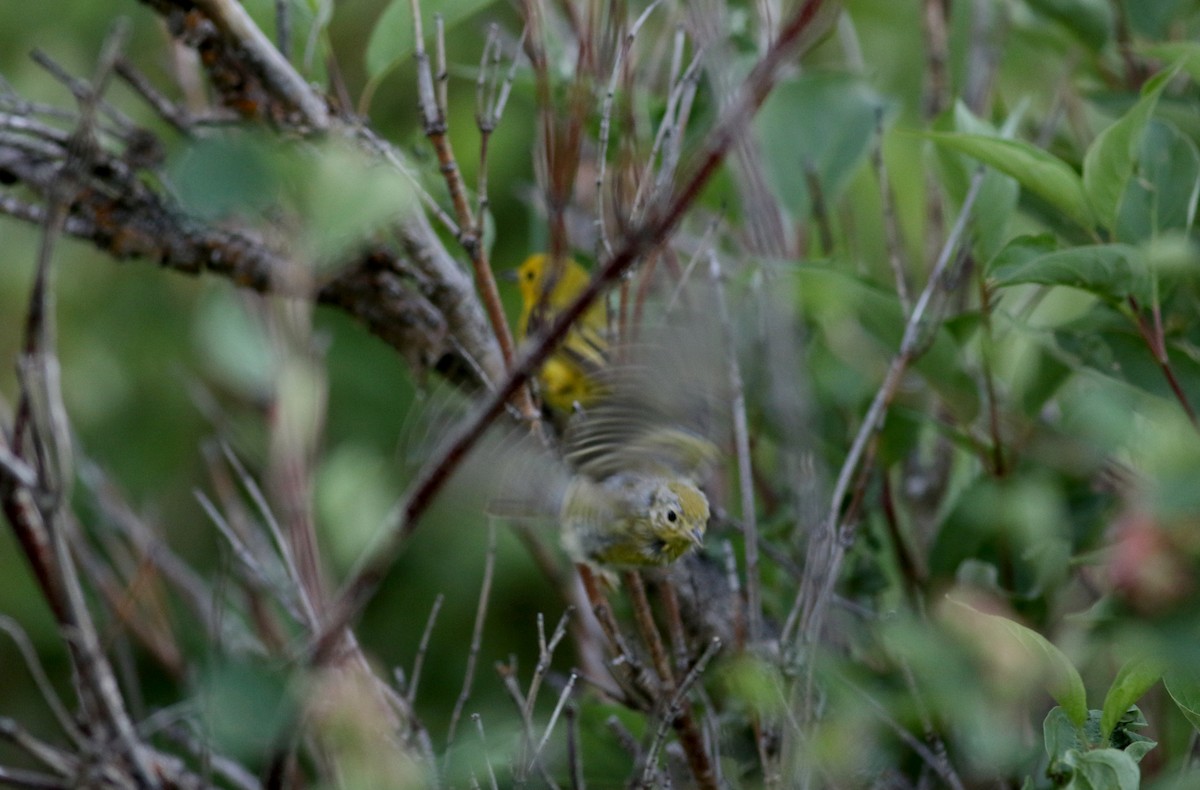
(420, 302)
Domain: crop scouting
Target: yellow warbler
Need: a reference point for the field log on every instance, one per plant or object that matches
(634, 498)
(568, 376)
(632, 518)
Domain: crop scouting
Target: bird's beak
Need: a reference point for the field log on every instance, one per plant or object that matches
(508, 275)
(697, 537)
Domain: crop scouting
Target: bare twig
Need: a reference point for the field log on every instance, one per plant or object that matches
(891, 225)
(485, 592)
(545, 655)
(40, 679)
(823, 564)
(574, 759)
(434, 115)
(422, 648)
(562, 700)
(1152, 336)
(603, 246)
(741, 443)
(679, 713)
(678, 699)
(475, 717)
(940, 767)
(820, 210)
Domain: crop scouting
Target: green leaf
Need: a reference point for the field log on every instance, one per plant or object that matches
(1041, 173)
(344, 196)
(246, 707)
(1102, 769)
(1061, 735)
(1061, 679)
(1110, 159)
(819, 121)
(1106, 341)
(228, 173)
(832, 296)
(996, 203)
(1090, 20)
(1111, 271)
(1134, 678)
(392, 39)
(1162, 194)
(1185, 53)
(1183, 684)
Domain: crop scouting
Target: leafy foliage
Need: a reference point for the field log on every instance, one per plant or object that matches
(950, 354)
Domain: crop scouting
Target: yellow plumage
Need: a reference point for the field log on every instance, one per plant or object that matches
(568, 377)
(629, 494)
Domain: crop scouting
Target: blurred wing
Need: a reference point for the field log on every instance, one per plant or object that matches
(507, 472)
(665, 401)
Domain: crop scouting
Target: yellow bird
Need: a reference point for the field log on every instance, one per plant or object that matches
(568, 377)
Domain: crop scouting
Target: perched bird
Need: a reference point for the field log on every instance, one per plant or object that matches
(632, 519)
(634, 498)
(568, 377)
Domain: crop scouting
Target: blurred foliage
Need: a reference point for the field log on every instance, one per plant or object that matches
(1025, 571)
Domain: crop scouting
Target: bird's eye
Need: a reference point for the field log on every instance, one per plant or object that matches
(671, 516)
(529, 275)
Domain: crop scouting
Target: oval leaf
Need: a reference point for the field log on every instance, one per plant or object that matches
(1041, 173)
(1103, 769)
(1111, 271)
(1183, 684)
(1061, 679)
(1133, 680)
(1110, 160)
(392, 39)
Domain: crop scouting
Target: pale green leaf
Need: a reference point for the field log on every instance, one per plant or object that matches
(819, 122)
(1111, 158)
(1111, 271)
(1061, 679)
(1133, 680)
(1183, 684)
(1185, 53)
(1090, 20)
(392, 39)
(1102, 769)
(1045, 175)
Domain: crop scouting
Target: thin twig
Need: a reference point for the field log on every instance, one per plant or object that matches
(545, 655)
(508, 676)
(820, 209)
(562, 700)
(947, 774)
(485, 591)
(487, 758)
(603, 246)
(422, 647)
(283, 546)
(674, 709)
(432, 103)
(1153, 337)
(680, 714)
(822, 568)
(741, 444)
(283, 28)
(40, 679)
(574, 759)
